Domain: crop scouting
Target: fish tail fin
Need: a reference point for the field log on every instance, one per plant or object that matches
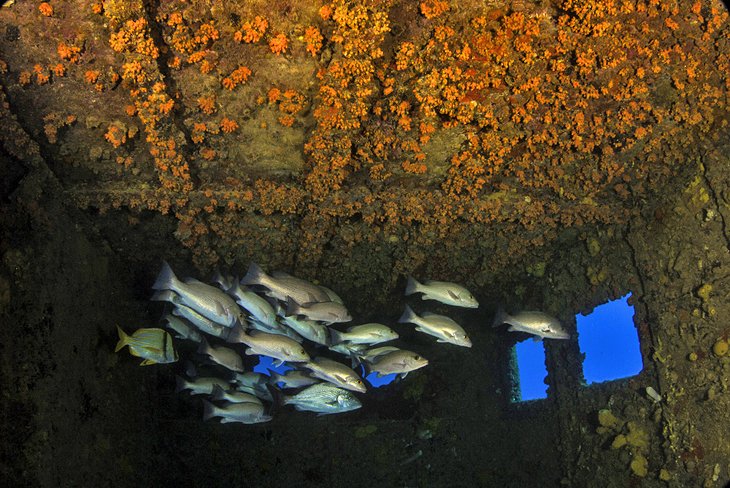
(291, 307)
(412, 286)
(180, 384)
(335, 337)
(163, 296)
(209, 410)
(500, 317)
(253, 275)
(408, 316)
(236, 335)
(166, 280)
(204, 347)
(190, 369)
(218, 393)
(123, 339)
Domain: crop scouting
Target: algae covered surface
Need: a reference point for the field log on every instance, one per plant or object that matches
(547, 154)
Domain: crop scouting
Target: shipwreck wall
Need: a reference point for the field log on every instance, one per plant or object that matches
(548, 155)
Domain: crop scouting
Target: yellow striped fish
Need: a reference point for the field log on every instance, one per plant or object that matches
(154, 345)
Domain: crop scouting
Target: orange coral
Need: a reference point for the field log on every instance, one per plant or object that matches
(278, 44)
(45, 9)
(68, 53)
(313, 38)
(433, 8)
(97, 8)
(206, 105)
(24, 77)
(41, 76)
(207, 153)
(238, 76)
(252, 31)
(116, 135)
(228, 125)
(91, 76)
(59, 70)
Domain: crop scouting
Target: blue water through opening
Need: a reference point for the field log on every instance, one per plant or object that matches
(608, 338)
(531, 369)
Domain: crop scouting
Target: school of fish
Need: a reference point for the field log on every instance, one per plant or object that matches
(276, 315)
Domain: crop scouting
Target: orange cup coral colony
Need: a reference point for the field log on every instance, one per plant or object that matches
(565, 110)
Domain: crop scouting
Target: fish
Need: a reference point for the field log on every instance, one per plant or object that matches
(181, 328)
(399, 361)
(256, 305)
(153, 345)
(278, 329)
(539, 324)
(293, 379)
(323, 398)
(325, 312)
(370, 354)
(442, 291)
(275, 346)
(336, 373)
(372, 333)
(439, 326)
(233, 396)
(199, 386)
(308, 329)
(181, 310)
(228, 358)
(283, 286)
(244, 413)
(254, 383)
(205, 299)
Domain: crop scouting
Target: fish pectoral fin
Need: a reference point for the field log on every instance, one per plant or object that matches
(453, 295)
(250, 352)
(511, 328)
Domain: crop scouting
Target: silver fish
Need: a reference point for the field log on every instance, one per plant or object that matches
(323, 398)
(254, 304)
(400, 362)
(442, 291)
(283, 286)
(228, 358)
(293, 379)
(233, 396)
(244, 413)
(182, 329)
(207, 300)
(336, 373)
(369, 355)
(308, 329)
(181, 310)
(541, 325)
(253, 383)
(199, 386)
(325, 312)
(278, 329)
(371, 333)
(153, 345)
(275, 346)
(439, 326)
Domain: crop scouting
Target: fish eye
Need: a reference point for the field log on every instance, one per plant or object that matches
(416, 357)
